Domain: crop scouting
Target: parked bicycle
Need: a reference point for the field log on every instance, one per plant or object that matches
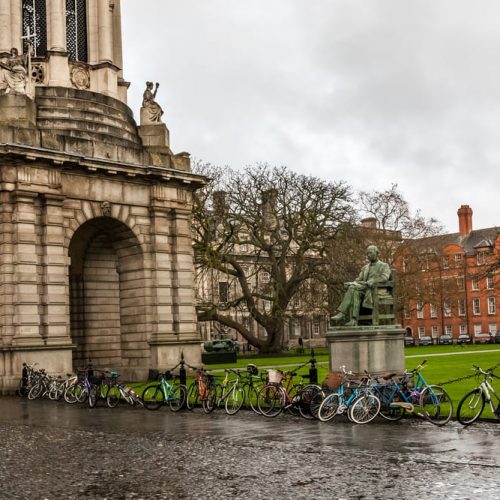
(167, 390)
(472, 405)
(411, 393)
(280, 393)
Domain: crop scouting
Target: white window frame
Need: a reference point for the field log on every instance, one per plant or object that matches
(420, 310)
(492, 307)
(461, 307)
(448, 330)
(447, 309)
(446, 261)
(463, 329)
(316, 327)
(476, 306)
(458, 259)
(435, 331)
(480, 258)
(492, 328)
(475, 283)
(489, 282)
(434, 311)
(477, 328)
(421, 332)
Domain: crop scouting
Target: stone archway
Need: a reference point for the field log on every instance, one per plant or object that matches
(108, 296)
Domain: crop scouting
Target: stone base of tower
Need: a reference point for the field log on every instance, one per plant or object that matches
(56, 360)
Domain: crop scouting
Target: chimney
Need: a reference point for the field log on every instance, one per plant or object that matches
(220, 204)
(465, 220)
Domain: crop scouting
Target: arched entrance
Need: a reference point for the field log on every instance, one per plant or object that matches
(108, 296)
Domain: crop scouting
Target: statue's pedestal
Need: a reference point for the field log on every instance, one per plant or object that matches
(377, 349)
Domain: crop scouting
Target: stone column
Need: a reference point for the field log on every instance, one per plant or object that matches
(55, 315)
(183, 296)
(57, 25)
(58, 60)
(26, 297)
(5, 26)
(105, 31)
(117, 37)
(16, 24)
(162, 275)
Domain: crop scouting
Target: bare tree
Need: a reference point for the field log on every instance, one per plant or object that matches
(266, 231)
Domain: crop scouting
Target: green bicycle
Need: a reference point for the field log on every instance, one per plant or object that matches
(166, 391)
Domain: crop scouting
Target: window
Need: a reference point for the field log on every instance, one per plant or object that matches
(491, 305)
(265, 277)
(476, 306)
(421, 331)
(458, 259)
(461, 307)
(434, 331)
(448, 330)
(475, 283)
(420, 310)
(316, 327)
(489, 281)
(477, 328)
(460, 283)
(406, 313)
(433, 311)
(481, 258)
(223, 291)
(447, 308)
(35, 23)
(492, 328)
(405, 264)
(463, 329)
(76, 30)
(446, 262)
(244, 247)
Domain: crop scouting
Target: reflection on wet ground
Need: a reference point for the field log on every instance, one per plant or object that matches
(254, 457)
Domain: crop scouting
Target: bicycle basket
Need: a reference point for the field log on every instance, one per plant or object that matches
(333, 380)
(275, 376)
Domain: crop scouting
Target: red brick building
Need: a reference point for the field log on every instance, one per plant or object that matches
(450, 283)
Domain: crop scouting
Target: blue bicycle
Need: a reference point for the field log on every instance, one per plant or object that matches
(166, 391)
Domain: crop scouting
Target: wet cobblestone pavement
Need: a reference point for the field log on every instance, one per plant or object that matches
(54, 450)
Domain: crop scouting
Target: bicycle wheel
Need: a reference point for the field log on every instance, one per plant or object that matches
(212, 395)
(81, 393)
(271, 400)
(153, 397)
(306, 396)
(316, 403)
(251, 399)
(193, 395)
(329, 407)
(436, 405)
(113, 397)
(364, 408)
(92, 396)
(36, 391)
(177, 399)
(471, 406)
(390, 412)
(69, 394)
(235, 400)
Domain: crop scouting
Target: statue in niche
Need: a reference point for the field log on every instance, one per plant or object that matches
(13, 73)
(152, 108)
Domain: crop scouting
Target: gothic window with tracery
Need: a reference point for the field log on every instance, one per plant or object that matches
(35, 26)
(76, 30)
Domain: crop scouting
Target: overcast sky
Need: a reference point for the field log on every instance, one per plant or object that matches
(370, 92)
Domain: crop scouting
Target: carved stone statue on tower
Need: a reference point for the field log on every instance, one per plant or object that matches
(151, 111)
(13, 73)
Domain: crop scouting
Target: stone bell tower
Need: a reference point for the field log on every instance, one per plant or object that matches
(95, 248)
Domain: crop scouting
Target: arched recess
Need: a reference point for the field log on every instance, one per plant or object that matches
(108, 295)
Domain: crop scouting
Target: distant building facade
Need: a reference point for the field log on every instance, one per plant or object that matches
(452, 283)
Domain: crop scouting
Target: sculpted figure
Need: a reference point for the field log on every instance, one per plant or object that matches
(13, 73)
(360, 292)
(148, 102)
